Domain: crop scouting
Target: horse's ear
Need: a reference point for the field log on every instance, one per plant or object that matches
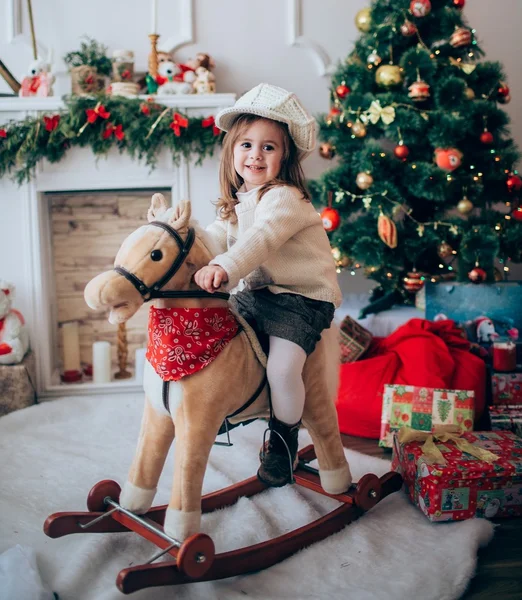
(181, 215)
(158, 205)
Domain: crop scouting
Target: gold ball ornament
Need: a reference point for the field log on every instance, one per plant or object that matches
(388, 75)
(364, 180)
(363, 20)
(358, 129)
(326, 150)
(345, 261)
(469, 93)
(465, 206)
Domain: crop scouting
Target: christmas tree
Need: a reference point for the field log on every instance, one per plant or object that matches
(425, 186)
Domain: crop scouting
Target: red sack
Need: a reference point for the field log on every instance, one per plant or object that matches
(420, 352)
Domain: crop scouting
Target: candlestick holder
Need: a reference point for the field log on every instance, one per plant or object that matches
(150, 78)
(122, 353)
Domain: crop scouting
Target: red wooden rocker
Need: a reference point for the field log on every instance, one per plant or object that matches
(157, 262)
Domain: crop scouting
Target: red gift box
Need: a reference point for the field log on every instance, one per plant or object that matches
(465, 486)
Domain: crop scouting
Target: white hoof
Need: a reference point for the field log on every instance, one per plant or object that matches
(181, 525)
(137, 500)
(337, 481)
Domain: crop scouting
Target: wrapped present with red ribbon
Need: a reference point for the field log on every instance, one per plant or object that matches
(423, 409)
(452, 476)
(506, 388)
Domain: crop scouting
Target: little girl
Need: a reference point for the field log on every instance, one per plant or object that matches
(273, 239)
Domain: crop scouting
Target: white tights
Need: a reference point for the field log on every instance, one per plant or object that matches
(284, 371)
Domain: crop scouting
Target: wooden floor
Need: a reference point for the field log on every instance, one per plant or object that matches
(499, 571)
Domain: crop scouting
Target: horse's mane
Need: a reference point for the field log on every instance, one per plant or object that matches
(203, 235)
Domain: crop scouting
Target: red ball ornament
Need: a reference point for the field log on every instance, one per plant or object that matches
(459, 3)
(477, 275)
(408, 28)
(401, 151)
(334, 112)
(514, 183)
(486, 137)
(503, 90)
(342, 91)
(517, 214)
(331, 219)
(420, 8)
(448, 159)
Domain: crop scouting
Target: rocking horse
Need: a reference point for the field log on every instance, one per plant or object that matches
(157, 262)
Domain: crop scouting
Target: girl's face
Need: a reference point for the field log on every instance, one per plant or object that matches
(258, 153)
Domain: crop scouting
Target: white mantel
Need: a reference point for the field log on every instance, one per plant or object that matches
(24, 222)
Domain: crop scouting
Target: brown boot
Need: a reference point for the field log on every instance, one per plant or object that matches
(279, 454)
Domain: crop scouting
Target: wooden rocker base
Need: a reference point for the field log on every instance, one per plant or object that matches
(195, 558)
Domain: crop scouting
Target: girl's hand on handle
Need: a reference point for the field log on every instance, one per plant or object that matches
(210, 278)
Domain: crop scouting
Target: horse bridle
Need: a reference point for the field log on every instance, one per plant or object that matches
(154, 290)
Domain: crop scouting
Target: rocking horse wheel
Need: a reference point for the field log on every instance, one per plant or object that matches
(98, 493)
(369, 490)
(196, 555)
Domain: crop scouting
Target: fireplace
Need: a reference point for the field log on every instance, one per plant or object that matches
(83, 203)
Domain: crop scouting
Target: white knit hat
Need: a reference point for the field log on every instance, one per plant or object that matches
(275, 103)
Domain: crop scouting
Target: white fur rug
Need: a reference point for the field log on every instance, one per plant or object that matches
(52, 453)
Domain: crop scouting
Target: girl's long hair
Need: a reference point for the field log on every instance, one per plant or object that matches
(230, 182)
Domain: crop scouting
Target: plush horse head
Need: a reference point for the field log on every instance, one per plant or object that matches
(147, 256)
(157, 262)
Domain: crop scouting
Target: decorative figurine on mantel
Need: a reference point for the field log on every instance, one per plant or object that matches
(14, 338)
(38, 80)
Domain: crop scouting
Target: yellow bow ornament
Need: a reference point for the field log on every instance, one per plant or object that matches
(376, 112)
(442, 433)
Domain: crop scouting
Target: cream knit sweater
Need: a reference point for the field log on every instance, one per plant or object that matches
(279, 243)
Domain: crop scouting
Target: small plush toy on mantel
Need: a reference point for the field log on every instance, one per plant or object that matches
(38, 81)
(14, 338)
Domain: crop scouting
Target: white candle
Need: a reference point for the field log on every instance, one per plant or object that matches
(101, 362)
(139, 364)
(71, 346)
(154, 23)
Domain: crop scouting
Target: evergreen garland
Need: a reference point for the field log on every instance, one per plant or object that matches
(140, 128)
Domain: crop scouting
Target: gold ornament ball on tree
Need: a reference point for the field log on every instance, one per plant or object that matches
(364, 180)
(388, 75)
(358, 129)
(469, 93)
(326, 150)
(374, 59)
(363, 20)
(465, 206)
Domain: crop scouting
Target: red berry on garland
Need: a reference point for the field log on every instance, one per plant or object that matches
(401, 151)
(331, 219)
(342, 90)
(514, 183)
(459, 3)
(486, 137)
(420, 8)
(477, 275)
(517, 214)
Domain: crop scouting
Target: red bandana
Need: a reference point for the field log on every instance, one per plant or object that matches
(182, 341)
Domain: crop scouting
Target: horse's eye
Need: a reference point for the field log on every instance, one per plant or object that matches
(156, 255)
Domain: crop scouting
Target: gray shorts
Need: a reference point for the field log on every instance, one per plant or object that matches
(289, 316)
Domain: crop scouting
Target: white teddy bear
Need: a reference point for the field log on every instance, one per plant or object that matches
(173, 79)
(14, 338)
